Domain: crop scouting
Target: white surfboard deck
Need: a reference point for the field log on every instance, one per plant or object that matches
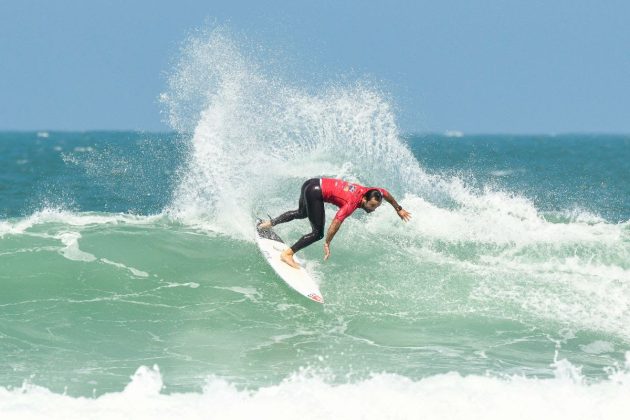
(271, 245)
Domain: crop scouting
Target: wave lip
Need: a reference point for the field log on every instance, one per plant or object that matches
(75, 219)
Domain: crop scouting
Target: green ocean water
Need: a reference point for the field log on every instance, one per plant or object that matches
(131, 286)
(89, 295)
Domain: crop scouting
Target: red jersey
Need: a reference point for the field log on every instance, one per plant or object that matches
(345, 195)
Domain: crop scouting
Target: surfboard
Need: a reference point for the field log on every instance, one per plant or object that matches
(271, 246)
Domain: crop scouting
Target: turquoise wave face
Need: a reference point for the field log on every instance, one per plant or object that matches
(110, 270)
(88, 297)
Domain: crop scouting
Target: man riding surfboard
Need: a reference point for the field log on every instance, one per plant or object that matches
(345, 195)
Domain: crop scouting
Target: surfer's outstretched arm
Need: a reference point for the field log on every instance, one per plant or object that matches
(402, 213)
(332, 230)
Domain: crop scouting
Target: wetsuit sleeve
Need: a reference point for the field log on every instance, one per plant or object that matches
(344, 212)
(383, 191)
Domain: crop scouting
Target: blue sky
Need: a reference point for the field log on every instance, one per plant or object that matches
(477, 66)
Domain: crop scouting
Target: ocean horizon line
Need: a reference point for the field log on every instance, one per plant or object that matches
(445, 133)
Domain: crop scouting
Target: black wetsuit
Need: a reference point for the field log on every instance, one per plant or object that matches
(311, 205)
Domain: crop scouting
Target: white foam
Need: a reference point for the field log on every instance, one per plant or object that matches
(134, 271)
(306, 395)
(82, 149)
(71, 250)
(598, 347)
(52, 215)
(519, 265)
(249, 293)
(493, 218)
(170, 285)
(454, 133)
(502, 172)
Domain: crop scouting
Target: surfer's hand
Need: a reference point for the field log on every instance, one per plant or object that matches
(326, 251)
(404, 215)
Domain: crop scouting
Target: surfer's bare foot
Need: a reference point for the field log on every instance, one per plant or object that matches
(287, 257)
(265, 224)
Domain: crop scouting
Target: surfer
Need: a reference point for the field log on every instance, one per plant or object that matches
(345, 195)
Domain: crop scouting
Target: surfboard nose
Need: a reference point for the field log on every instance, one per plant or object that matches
(316, 298)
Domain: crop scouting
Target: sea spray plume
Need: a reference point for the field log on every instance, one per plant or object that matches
(256, 136)
(127, 169)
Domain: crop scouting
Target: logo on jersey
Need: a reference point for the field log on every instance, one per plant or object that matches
(350, 187)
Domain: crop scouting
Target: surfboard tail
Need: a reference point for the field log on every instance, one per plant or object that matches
(271, 246)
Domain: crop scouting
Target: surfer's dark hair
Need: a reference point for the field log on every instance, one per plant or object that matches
(376, 194)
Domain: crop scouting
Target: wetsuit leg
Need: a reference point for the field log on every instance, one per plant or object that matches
(316, 215)
(301, 212)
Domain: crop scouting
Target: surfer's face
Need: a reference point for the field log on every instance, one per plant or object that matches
(370, 206)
